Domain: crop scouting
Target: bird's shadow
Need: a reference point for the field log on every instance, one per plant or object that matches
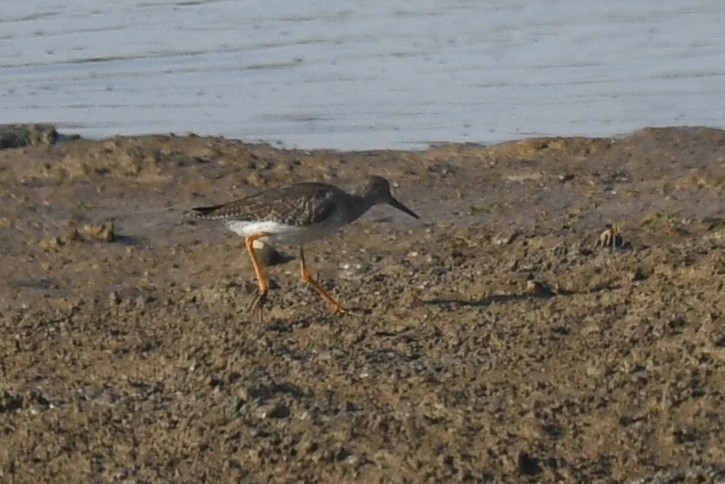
(282, 258)
(486, 301)
(281, 325)
(130, 240)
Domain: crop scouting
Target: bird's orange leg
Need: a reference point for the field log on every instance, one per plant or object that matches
(261, 297)
(307, 277)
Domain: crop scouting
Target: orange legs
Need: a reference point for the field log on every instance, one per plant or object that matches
(336, 306)
(261, 297)
(257, 303)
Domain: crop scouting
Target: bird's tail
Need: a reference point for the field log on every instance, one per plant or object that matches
(206, 212)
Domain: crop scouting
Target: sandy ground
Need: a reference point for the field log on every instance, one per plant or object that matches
(495, 341)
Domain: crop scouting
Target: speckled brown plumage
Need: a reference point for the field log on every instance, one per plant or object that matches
(300, 205)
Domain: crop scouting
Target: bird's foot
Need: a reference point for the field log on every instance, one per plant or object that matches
(340, 310)
(257, 304)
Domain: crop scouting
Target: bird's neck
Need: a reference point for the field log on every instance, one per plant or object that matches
(358, 206)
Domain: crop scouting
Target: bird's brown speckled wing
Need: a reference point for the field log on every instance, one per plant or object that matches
(300, 204)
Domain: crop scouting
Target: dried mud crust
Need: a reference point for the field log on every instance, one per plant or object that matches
(497, 340)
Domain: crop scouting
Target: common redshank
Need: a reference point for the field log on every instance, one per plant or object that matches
(298, 214)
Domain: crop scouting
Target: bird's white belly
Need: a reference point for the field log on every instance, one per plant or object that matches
(277, 232)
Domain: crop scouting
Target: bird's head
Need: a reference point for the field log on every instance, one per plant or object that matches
(376, 190)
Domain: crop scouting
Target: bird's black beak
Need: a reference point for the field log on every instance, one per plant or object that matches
(402, 207)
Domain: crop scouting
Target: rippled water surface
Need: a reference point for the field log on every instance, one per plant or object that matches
(358, 75)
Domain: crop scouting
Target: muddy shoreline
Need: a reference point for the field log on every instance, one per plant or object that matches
(496, 342)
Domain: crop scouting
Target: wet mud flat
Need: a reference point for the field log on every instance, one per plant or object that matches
(557, 314)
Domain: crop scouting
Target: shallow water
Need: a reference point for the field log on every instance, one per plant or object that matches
(361, 75)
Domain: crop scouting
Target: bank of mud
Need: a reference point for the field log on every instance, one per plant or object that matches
(495, 340)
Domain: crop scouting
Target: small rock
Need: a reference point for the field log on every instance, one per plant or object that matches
(611, 237)
(593, 371)
(71, 234)
(528, 465)
(637, 275)
(539, 289)
(114, 298)
(19, 135)
(506, 238)
(591, 328)
(567, 177)
(53, 243)
(278, 411)
(102, 231)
